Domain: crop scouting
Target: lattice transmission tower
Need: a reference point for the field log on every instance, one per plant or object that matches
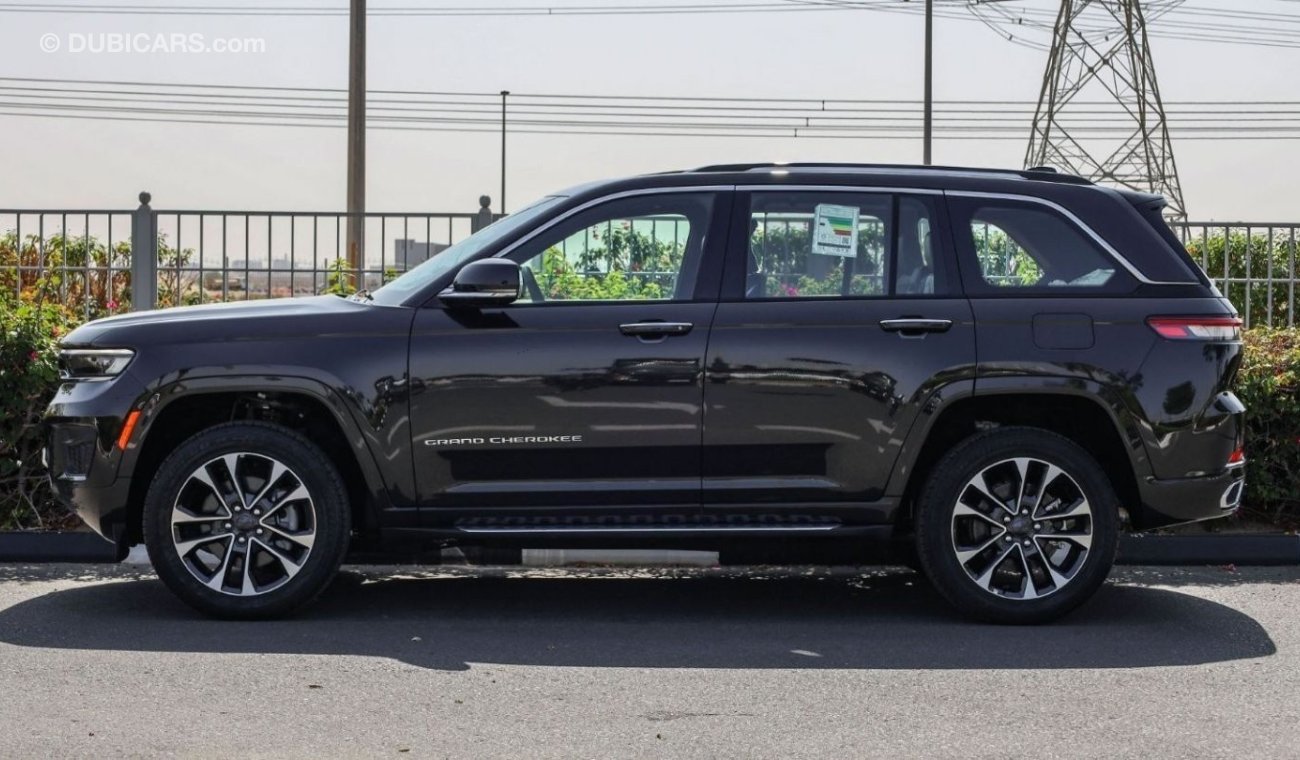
(1099, 113)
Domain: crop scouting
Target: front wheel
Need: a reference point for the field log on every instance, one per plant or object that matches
(1017, 525)
(246, 520)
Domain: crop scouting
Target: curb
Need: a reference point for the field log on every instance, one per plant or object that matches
(1219, 549)
(56, 547)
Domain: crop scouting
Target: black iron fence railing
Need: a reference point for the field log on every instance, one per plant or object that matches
(85, 258)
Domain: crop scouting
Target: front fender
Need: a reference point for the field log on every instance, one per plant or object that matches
(364, 421)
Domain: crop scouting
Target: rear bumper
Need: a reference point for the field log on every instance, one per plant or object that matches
(1167, 502)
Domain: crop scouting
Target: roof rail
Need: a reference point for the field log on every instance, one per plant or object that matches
(1041, 173)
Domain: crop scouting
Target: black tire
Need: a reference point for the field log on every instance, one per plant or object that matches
(937, 530)
(307, 465)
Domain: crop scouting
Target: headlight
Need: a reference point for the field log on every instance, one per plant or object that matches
(93, 363)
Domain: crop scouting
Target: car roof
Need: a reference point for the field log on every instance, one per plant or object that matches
(1040, 174)
(1036, 181)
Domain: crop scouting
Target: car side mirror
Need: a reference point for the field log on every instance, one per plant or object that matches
(486, 282)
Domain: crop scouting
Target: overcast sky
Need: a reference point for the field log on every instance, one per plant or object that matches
(849, 54)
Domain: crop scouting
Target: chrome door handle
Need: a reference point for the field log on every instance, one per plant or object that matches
(915, 325)
(655, 328)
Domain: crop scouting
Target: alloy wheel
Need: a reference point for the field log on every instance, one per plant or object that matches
(1022, 528)
(243, 524)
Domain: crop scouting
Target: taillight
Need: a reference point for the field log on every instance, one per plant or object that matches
(1237, 456)
(1196, 328)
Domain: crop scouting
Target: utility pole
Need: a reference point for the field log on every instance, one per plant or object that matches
(357, 140)
(1100, 62)
(504, 95)
(929, 78)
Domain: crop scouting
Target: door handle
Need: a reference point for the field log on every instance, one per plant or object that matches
(651, 329)
(913, 325)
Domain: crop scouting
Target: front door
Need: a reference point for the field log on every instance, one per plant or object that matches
(840, 315)
(588, 391)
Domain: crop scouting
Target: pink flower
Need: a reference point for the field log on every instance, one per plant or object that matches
(112, 305)
(33, 356)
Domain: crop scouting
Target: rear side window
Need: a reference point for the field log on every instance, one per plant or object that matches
(1022, 247)
(829, 244)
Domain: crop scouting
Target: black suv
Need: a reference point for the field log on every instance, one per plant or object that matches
(993, 370)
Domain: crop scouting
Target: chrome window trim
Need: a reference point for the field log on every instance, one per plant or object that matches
(1063, 211)
(1079, 223)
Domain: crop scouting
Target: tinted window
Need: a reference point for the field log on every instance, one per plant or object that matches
(1026, 247)
(827, 245)
(464, 251)
(645, 248)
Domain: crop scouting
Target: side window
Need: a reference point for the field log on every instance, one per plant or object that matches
(638, 249)
(1023, 247)
(846, 245)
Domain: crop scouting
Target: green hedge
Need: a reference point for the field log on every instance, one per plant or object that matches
(29, 334)
(1268, 384)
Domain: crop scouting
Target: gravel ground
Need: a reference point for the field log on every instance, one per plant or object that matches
(100, 661)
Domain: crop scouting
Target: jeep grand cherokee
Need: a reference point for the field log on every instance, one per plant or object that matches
(999, 369)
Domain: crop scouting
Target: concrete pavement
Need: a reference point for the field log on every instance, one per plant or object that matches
(100, 661)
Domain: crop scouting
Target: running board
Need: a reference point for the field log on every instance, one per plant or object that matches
(608, 524)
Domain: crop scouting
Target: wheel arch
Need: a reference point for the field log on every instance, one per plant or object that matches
(180, 410)
(1080, 413)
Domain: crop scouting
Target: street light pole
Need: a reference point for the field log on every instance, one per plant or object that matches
(929, 78)
(504, 94)
(357, 139)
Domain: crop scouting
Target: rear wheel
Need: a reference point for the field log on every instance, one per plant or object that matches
(246, 520)
(1017, 525)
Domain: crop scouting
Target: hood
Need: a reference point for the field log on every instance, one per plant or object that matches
(229, 321)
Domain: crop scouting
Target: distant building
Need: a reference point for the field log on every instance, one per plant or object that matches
(408, 254)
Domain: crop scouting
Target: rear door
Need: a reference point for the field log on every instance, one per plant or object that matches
(841, 315)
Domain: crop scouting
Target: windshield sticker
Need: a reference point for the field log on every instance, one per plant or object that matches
(835, 230)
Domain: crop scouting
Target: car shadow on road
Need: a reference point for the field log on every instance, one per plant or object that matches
(872, 620)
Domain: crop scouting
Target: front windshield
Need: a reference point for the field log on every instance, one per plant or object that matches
(399, 289)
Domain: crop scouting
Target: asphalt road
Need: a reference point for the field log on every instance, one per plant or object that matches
(99, 661)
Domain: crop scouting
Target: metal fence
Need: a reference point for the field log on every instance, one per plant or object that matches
(85, 258)
(1253, 264)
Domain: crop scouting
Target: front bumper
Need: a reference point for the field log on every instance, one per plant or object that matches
(84, 476)
(82, 425)
(1181, 500)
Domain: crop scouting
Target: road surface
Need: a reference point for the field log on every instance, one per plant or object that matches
(100, 661)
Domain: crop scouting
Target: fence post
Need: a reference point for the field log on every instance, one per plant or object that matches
(483, 217)
(144, 256)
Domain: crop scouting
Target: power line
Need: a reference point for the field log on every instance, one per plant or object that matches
(655, 101)
(890, 113)
(888, 122)
(561, 9)
(798, 134)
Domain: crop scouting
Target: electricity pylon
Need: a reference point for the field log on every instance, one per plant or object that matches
(1099, 113)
